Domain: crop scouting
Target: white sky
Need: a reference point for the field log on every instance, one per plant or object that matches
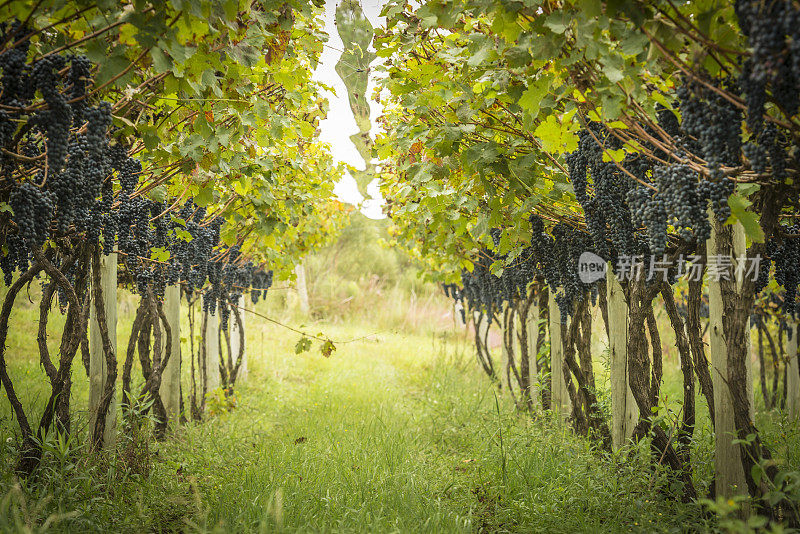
(337, 128)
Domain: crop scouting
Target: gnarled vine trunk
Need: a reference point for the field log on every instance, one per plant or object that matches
(645, 385)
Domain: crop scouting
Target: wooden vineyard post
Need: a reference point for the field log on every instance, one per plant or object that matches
(210, 374)
(532, 325)
(624, 412)
(98, 370)
(234, 326)
(793, 374)
(507, 331)
(559, 402)
(729, 472)
(458, 314)
(171, 379)
(302, 288)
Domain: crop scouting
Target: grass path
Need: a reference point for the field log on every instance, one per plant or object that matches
(341, 444)
(396, 435)
(398, 432)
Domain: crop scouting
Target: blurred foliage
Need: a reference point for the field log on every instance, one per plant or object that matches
(359, 274)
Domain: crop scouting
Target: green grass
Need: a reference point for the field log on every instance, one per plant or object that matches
(396, 432)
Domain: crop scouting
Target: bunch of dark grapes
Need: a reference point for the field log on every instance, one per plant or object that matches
(192, 252)
(764, 267)
(608, 219)
(756, 155)
(78, 77)
(713, 121)
(717, 192)
(685, 206)
(236, 276)
(567, 247)
(136, 239)
(786, 256)
(556, 258)
(7, 129)
(56, 120)
(768, 149)
(773, 142)
(668, 121)
(128, 169)
(230, 275)
(481, 289)
(648, 210)
(13, 63)
(261, 282)
(715, 124)
(487, 293)
(213, 293)
(773, 32)
(33, 210)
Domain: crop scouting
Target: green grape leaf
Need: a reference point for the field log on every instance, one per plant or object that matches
(302, 345)
(749, 220)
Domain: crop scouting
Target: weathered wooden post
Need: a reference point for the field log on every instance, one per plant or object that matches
(532, 325)
(624, 412)
(302, 288)
(507, 331)
(459, 314)
(98, 370)
(729, 472)
(235, 333)
(793, 373)
(210, 372)
(559, 396)
(170, 389)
